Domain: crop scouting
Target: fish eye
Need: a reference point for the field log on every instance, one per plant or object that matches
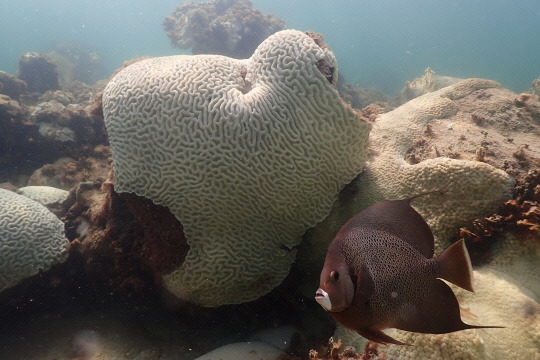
(334, 275)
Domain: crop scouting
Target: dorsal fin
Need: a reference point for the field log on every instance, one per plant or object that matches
(398, 218)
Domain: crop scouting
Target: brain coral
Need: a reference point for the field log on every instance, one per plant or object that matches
(31, 238)
(45, 195)
(247, 154)
(495, 302)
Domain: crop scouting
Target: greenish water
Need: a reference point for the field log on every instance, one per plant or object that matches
(378, 43)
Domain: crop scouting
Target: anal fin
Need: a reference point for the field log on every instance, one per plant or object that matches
(378, 336)
(438, 313)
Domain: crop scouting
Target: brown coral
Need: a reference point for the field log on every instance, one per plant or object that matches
(334, 351)
(129, 237)
(521, 214)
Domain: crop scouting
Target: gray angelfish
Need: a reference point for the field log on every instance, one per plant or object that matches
(380, 273)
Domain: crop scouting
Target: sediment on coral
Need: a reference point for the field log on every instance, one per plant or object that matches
(225, 27)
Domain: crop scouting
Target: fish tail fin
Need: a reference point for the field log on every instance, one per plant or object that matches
(455, 265)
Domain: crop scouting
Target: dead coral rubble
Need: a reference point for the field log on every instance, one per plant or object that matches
(223, 27)
(127, 239)
(334, 351)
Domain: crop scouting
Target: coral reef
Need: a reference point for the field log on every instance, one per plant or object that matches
(31, 238)
(225, 27)
(239, 123)
(37, 131)
(39, 72)
(482, 127)
(398, 169)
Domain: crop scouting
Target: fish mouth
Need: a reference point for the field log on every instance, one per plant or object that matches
(323, 299)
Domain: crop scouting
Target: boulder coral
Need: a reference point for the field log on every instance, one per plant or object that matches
(247, 154)
(471, 188)
(31, 238)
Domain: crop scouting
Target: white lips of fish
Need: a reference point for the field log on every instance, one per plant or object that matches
(323, 299)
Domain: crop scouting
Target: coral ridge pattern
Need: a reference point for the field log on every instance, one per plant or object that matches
(247, 154)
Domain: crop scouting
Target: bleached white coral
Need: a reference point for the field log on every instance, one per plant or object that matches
(31, 238)
(45, 195)
(247, 154)
(472, 188)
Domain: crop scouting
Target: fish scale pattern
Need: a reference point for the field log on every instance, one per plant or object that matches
(31, 238)
(247, 154)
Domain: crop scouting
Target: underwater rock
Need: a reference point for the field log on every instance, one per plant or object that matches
(11, 86)
(230, 166)
(21, 147)
(244, 351)
(31, 238)
(224, 27)
(495, 301)
(39, 72)
(281, 337)
(427, 83)
(9, 108)
(70, 123)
